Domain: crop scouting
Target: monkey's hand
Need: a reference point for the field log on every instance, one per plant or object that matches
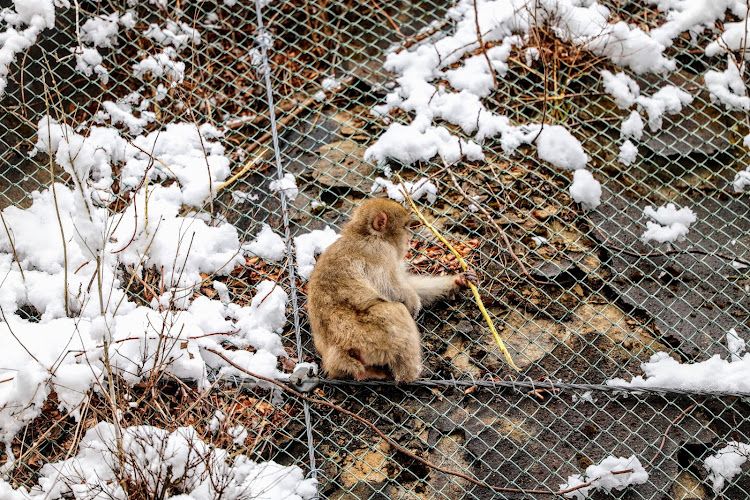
(463, 279)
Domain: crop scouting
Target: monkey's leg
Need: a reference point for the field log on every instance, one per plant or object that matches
(394, 339)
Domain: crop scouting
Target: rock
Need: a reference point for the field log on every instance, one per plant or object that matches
(550, 269)
(365, 465)
(687, 487)
(527, 338)
(341, 164)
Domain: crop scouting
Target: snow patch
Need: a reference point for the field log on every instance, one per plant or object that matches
(287, 186)
(268, 245)
(558, 146)
(672, 223)
(602, 476)
(156, 457)
(309, 245)
(728, 87)
(628, 153)
(415, 190)
(585, 189)
(623, 88)
(727, 463)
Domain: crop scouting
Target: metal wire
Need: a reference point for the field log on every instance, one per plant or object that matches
(263, 44)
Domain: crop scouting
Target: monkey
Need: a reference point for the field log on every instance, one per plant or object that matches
(362, 301)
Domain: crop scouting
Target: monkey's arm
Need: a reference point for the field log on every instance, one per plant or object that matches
(432, 288)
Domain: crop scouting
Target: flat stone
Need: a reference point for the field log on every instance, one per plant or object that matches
(341, 164)
(687, 487)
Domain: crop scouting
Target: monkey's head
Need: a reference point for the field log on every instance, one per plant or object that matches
(384, 219)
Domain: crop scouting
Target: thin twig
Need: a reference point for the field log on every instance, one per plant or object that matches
(677, 419)
(482, 48)
(39, 441)
(47, 99)
(387, 16)
(12, 245)
(2, 313)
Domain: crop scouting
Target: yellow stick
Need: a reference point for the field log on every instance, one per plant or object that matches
(464, 266)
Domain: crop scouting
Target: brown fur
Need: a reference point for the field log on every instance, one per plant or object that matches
(362, 301)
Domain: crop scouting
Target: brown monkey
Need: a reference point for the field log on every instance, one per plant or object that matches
(362, 301)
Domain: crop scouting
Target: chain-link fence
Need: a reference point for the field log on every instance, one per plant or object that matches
(591, 303)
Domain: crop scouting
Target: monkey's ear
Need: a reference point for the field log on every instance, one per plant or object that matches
(379, 222)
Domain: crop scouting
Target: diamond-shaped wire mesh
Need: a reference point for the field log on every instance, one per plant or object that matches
(597, 301)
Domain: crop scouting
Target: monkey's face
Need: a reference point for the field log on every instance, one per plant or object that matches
(385, 219)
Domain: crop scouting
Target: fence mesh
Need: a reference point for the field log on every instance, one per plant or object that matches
(596, 302)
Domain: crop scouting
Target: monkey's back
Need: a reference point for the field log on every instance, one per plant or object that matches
(340, 292)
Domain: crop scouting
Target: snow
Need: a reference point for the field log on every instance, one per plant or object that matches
(585, 189)
(330, 84)
(416, 189)
(628, 153)
(238, 433)
(531, 55)
(726, 463)
(242, 197)
(733, 39)
(268, 245)
(89, 62)
(419, 73)
(410, 144)
(101, 31)
(177, 34)
(163, 64)
(623, 88)
(558, 146)
(587, 396)
(307, 246)
(712, 375)
(474, 75)
(625, 45)
(668, 100)
(36, 15)
(728, 87)
(693, 16)
(287, 186)
(741, 180)
(672, 223)
(539, 240)
(222, 290)
(122, 112)
(601, 476)
(735, 345)
(161, 461)
(88, 306)
(632, 126)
